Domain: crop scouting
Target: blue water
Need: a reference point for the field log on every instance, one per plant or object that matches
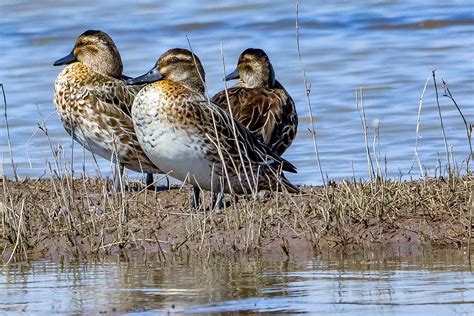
(387, 47)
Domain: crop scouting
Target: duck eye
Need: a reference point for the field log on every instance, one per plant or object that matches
(174, 59)
(84, 43)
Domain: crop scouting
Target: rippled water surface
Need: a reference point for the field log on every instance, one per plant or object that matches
(387, 47)
(436, 283)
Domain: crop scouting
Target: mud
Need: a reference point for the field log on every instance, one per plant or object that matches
(64, 220)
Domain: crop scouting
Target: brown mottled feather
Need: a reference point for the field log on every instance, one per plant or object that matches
(260, 102)
(95, 110)
(269, 114)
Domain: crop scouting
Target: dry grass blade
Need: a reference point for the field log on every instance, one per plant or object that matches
(417, 136)
(8, 133)
(363, 121)
(18, 234)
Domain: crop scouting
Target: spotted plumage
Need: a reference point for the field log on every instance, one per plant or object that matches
(184, 133)
(260, 102)
(94, 103)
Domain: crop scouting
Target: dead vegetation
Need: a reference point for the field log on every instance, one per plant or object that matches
(40, 222)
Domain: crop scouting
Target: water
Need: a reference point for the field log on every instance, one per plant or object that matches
(387, 47)
(436, 283)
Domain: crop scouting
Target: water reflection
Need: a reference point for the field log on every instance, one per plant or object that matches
(437, 282)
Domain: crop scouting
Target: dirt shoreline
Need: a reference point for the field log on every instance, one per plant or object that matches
(63, 220)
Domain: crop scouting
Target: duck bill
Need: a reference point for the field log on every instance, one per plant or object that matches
(151, 76)
(233, 75)
(66, 60)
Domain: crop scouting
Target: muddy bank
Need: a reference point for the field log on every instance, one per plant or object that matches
(67, 220)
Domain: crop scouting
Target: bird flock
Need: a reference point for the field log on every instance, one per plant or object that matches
(163, 122)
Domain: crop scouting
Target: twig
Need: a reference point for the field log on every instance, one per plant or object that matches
(442, 124)
(448, 94)
(308, 97)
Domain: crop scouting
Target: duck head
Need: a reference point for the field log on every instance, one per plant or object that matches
(178, 65)
(96, 50)
(253, 69)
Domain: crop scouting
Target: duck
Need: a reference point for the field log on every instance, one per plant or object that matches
(94, 104)
(195, 140)
(259, 101)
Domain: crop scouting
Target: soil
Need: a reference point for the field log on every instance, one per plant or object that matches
(65, 220)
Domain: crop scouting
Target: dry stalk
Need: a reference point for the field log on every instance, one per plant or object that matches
(56, 156)
(376, 148)
(10, 149)
(417, 135)
(234, 129)
(448, 94)
(363, 121)
(445, 140)
(308, 97)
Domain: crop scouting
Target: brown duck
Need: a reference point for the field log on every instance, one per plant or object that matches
(260, 102)
(94, 103)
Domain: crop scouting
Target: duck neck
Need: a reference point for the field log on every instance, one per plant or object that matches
(196, 84)
(107, 64)
(190, 78)
(261, 78)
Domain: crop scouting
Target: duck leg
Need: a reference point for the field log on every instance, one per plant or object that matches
(151, 187)
(149, 181)
(118, 177)
(168, 182)
(218, 200)
(195, 198)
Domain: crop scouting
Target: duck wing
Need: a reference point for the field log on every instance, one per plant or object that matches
(268, 113)
(114, 93)
(238, 137)
(111, 103)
